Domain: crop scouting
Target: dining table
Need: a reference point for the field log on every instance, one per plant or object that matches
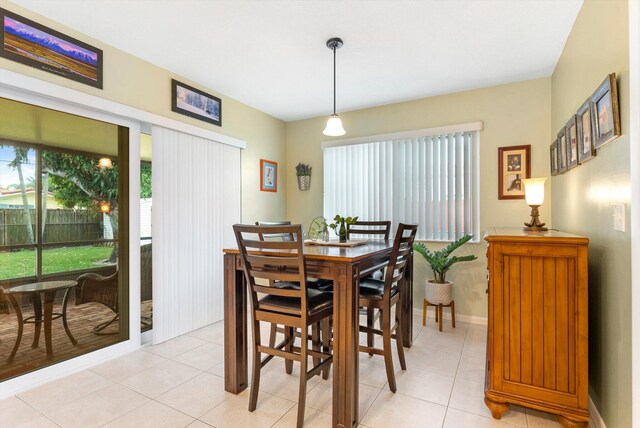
(344, 266)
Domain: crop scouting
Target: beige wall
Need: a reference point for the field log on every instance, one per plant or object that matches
(513, 114)
(582, 198)
(131, 81)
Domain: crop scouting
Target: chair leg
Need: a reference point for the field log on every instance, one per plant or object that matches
(289, 335)
(399, 344)
(424, 312)
(370, 325)
(453, 314)
(386, 347)
(272, 335)
(315, 342)
(255, 381)
(302, 393)
(326, 343)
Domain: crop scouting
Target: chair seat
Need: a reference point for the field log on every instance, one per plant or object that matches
(318, 301)
(374, 288)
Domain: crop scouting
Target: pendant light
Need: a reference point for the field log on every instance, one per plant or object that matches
(334, 124)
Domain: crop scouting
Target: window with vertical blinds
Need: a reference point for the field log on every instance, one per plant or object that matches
(429, 180)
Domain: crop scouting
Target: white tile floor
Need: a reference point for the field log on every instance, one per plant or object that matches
(179, 383)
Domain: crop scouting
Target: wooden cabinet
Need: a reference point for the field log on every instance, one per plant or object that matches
(537, 343)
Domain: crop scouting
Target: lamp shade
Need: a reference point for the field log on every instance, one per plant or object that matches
(534, 190)
(334, 127)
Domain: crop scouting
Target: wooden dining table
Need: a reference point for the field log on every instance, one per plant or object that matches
(345, 266)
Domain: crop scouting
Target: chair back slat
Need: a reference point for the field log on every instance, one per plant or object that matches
(379, 228)
(275, 260)
(400, 253)
(274, 236)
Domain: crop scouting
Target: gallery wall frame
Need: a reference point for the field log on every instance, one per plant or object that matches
(606, 111)
(195, 103)
(586, 125)
(514, 165)
(571, 136)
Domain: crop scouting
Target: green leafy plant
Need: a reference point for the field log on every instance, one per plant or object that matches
(440, 261)
(303, 169)
(341, 225)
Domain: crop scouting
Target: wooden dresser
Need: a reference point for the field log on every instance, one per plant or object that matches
(537, 343)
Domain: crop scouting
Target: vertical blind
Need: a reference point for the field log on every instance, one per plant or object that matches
(430, 181)
(196, 198)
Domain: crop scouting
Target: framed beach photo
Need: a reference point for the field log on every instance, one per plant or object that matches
(514, 165)
(27, 42)
(195, 103)
(606, 112)
(553, 157)
(562, 151)
(571, 132)
(268, 176)
(586, 125)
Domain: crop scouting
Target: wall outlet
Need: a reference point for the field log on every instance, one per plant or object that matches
(618, 217)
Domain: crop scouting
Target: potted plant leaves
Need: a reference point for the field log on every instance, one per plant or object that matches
(303, 172)
(341, 226)
(438, 290)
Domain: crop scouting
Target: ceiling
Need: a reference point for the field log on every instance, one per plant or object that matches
(271, 54)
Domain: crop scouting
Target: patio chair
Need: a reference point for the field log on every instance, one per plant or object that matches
(93, 287)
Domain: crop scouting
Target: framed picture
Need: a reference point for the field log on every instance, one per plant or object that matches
(514, 165)
(27, 42)
(195, 103)
(562, 151)
(571, 131)
(268, 175)
(606, 112)
(553, 157)
(586, 125)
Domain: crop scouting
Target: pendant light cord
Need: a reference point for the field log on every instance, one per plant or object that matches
(334, 79)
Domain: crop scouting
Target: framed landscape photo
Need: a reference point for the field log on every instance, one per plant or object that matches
(27, 42)
(195, 103)
(268, 176)
(553, 157)
(586, 125)
(562, 151)
(606, 112)
(514, 165)
(571, 132)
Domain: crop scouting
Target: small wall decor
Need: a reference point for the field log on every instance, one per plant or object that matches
(27, 42)
(571, 135)
(268, 176)
(303, 173)
(195, 103)
(562, 151)
(514, 165)
(586, 125)
(606, 112)
(553, 157)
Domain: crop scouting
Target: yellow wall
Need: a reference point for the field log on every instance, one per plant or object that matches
(513, 114)
(582, 198)
(132, 81)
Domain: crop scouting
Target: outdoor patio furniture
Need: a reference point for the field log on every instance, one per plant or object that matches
(93, 287)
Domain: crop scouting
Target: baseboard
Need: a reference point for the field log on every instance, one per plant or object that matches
(469, 319)
(596, 419)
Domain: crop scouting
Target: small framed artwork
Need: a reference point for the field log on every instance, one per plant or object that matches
(586, 125)
(553, 157)
(195, 103)
(562, 151)
(571, 132)
(268, 176)
(27, 42)
(606, 112)
(514, 165)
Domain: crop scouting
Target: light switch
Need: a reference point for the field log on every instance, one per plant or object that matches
(618, 217)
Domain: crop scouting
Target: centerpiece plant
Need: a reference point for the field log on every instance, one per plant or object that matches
(341, 226)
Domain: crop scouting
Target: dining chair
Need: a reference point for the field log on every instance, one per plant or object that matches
(296, 306)
(384, 295)
(380, 230)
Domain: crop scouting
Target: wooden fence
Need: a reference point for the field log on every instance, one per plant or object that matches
(60, 226)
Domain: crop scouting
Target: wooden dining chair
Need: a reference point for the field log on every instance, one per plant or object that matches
(384, 295)
(295, 306)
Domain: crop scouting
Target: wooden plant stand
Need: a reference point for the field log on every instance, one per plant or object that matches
(439, 307)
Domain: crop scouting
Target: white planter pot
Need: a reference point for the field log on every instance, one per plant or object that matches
(438, 293)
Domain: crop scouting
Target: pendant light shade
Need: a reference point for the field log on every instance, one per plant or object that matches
(334, 124)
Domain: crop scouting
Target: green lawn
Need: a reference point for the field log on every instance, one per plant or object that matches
(23, 263)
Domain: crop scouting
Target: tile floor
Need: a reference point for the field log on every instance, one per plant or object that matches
(180, 384)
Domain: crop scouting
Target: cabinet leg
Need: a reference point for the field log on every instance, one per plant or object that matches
(569, 423)
(497, 409)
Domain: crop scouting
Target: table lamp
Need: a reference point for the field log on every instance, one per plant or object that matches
(534, 194)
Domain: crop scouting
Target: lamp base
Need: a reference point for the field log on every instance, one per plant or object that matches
(534, 224)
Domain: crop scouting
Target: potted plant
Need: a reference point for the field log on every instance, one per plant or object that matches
(438, 289)
(341, 226)
(303, 172)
